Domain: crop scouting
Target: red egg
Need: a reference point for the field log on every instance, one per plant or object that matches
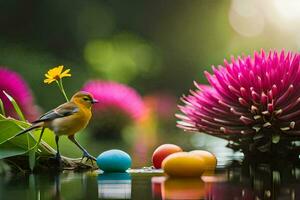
(162, 152)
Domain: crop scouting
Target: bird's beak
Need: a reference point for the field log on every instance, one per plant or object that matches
(95, 101)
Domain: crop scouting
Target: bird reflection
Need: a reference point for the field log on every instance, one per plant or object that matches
(114, 186)
(55, 193)
(62, 183)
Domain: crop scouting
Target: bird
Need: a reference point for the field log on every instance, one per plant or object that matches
(67, 119)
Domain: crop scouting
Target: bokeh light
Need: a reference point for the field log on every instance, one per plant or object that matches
(121, 57)
(288, 9)
(246, 18)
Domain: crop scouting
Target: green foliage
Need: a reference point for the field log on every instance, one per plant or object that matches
(2, 107)
(16, 106)
(31, 155)
(9, 150)
(26, 144)
(21, 145)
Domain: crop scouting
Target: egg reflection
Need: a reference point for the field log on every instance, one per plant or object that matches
(114, 186)
(156, 183)
(183, 188)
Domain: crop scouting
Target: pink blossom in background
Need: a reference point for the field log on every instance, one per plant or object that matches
(119, 106)
(13, 84)
(246, 96)
(116, 96)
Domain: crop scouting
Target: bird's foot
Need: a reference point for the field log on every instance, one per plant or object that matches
(58, 157)
(56, 160)
(88, 157)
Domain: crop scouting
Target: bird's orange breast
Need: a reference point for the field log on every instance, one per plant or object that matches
(70, 125)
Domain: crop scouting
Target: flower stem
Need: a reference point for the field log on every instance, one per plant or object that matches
(61, 87)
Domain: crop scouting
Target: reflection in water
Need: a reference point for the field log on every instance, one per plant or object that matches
(251, 180)
(156, 184)
(177, 188)
(114, 186)
(56, 194)
(180, 188)
(61, 184)
(263, 180)
(65, 185)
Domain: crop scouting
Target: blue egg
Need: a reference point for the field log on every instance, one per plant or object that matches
(114, 161)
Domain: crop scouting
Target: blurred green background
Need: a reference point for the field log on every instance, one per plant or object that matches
(157, 47)
(151, 45)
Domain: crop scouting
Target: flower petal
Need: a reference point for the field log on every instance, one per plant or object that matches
(48, 76)
(52, 72)
(49, 80)
(59, 69)
(65, 74)
(66, 71)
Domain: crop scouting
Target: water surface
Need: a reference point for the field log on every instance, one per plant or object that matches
(247, 180)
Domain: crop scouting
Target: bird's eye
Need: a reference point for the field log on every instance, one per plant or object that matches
(86, 98)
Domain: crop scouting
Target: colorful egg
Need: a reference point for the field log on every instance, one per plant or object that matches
(162, 152)
(183, 164)
(210, 159)
(114, 161)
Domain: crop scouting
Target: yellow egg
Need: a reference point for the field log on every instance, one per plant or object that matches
(210, 160)
(183, 164)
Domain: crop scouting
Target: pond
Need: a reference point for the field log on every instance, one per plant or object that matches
(234, 178)
(246, 180)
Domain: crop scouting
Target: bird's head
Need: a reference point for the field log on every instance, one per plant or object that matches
(84, 98)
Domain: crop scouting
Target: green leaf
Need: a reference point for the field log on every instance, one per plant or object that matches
(2, 117)
(32, 151)
(31, 154)
(8, 129)
(7, 150)
(2, 110)
(13, 146)
(16, 106)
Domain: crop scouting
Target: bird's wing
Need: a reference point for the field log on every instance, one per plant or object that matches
(63, 110)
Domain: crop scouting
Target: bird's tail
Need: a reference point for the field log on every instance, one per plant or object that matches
(34, 126)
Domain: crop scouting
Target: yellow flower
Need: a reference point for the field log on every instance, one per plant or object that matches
(56, 74)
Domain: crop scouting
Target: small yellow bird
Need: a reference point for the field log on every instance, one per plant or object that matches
(67, 119)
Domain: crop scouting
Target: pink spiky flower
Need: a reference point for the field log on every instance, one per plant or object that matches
(251, 101)
(119, 105)
(15, 86)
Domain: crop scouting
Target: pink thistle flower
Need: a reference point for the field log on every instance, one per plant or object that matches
(119, 105)
(250, 100)
(15, 86)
